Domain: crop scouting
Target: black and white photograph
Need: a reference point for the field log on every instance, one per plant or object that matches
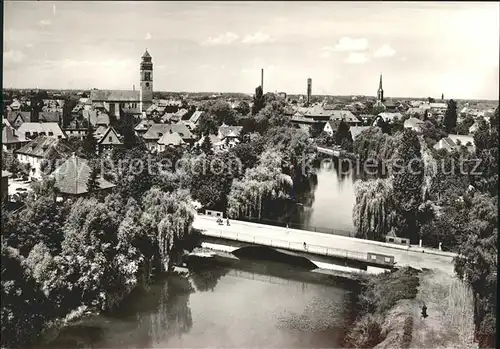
(249, 174)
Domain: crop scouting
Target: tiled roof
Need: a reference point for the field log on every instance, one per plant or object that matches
(104, 138)
(356, 130)
(196, 115)
(413, 122)
(102, 119)
(171, 138)
(48, 116)
(73, 175)
(181, 112)
(462, 139)
(231, 131)
(144, 125)
(156, 131)
(12, 116)
(345, 115)
(100, 131)
(40, 146)
(213, 139)
(334, 124)
(40, 128)
(9, 135)
(114, 96)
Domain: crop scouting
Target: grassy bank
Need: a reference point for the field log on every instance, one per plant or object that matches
(390, 311)
(378, 312)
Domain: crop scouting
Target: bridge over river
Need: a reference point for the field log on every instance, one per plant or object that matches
(324, 244)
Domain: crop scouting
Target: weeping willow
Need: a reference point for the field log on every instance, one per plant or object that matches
(260, 184)
(169, 217)
(372, 211)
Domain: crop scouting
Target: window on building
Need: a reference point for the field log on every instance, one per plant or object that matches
(51, 133)
(110, 138)
(59, 136)
(374, 257)
(147, 76)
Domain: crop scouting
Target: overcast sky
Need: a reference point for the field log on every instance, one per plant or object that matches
(423, 49)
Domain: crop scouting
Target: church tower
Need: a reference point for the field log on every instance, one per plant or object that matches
(380, 91)
(146, 92)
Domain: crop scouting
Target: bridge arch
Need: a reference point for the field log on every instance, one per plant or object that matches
(266, 253)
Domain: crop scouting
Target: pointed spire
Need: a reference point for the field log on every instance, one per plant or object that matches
(380, 83)
(146, 54)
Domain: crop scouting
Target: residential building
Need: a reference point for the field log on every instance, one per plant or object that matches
(195, 117)
(17, 118)
(31, 130)
(229, 132)
(108, 141)
(38, 149)
(331, 127)
(414, 124)
(455, 141)
(345, 115)
(387, 117)
(72, 178)
(217, 144)
(10, 140)
(143, 126)
(169, 139)
(156, 131)
(356, 130)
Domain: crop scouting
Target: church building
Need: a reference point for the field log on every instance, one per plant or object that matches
(380, 95)
(134, 102)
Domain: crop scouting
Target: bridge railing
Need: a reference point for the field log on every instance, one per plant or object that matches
(290, 245)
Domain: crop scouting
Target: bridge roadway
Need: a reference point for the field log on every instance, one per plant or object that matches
(323, 244)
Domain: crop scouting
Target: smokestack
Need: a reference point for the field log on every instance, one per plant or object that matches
(309, 90)
(262, 79)
(133, 87)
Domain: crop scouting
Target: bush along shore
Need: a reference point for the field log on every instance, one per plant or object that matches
(378, 296)
(391, 304)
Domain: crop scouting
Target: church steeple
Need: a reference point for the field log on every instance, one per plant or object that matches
(146, 81)
(380, 91)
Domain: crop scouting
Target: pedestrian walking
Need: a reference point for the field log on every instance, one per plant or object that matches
(305, 246)
(424, 311)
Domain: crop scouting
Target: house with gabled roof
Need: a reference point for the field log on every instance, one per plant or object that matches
(169, 139)
(141, 128)
(414, 124)
(31, 130)
(345, 115)
(331, 127)
(38, 149)
(455, 142)
(17, 118)
(10, 140)
(156, 131)
(72, 178)
(109, 140)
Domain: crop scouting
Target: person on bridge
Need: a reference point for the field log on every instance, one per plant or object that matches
(305, 246)
(227, 221)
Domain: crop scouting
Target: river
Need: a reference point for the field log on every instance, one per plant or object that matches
(255, 305)
(324, 204)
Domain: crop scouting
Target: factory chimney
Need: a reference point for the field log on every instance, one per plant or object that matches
(262, 79)
(309, 90)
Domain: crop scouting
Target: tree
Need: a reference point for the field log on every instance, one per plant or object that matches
(92, 183)
(126, 129)
(243, 108)
(477, 264)
(464, 125)
(90, 143)
(258, 100)
(408, 177)
(207, 125)
(450, 117)
(206, 145)
(25, 309)
(373, 208)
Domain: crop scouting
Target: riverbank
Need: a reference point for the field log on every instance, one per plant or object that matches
(391, 305)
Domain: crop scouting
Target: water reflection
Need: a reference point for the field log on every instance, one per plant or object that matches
(249, 305)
